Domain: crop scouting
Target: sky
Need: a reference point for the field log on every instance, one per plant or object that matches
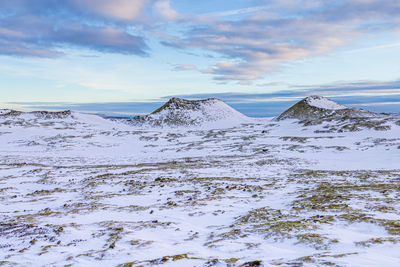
(125, 57)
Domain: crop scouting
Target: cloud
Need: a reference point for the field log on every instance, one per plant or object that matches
(284, 31)
(124, 10)
(361, 87)
(10, 49)
(43, 28)
(163, 7)
(246, 44)
(43, 39)
(107, 39)
(338, 90)
(234, 12)
(183, 67)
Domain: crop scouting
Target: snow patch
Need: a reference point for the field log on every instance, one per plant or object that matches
(4, 111)
(324, 103)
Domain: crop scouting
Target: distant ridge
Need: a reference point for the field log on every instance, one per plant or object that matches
(39, 114)
(183, 112)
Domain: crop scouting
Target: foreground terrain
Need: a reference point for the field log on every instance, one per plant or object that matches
(79, 189)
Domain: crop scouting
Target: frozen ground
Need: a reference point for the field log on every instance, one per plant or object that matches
(81, 190)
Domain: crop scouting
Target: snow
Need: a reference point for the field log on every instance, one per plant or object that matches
(4, 111)
(124, 193)
(324, 103)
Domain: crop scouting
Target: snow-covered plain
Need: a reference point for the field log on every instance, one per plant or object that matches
(83, 190)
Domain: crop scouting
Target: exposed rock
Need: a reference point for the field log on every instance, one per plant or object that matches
(52, 115)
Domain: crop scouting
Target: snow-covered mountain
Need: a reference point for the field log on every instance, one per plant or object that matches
(182, 112)
(314, 110)
(318, 107)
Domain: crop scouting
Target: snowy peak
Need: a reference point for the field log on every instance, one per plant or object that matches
(315, 107)
(323, 103)
(183, 112)
(176, 103)
(316, 110)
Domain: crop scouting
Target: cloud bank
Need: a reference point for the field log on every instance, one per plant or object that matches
(371, 95)
(43, 28)
(246, 44)
(284, 31)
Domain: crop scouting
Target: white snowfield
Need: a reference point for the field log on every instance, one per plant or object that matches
(81, 190)
(324, 103)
